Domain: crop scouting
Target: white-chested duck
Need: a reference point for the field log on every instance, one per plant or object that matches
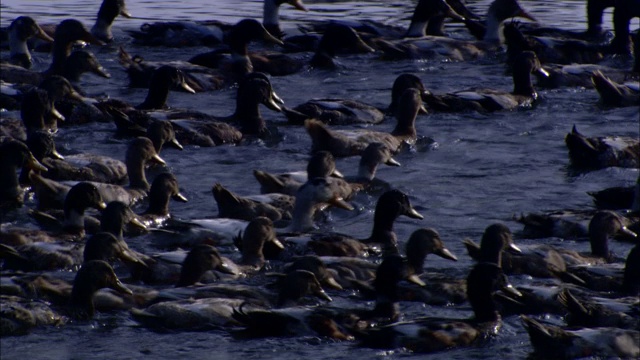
(140, 151)
(288, 183)
(427, 334)
(19, 316)
(344, 111)
(556, 342)
(389, 207)
(487, 100)
(213, 306)
(21, 30)
(343, 143)
(14, 155)
(591, 153)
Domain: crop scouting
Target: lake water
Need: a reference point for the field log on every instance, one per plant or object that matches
(486, 169)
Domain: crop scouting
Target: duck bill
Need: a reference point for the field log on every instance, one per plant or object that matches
(128, 257)
(392, 162)
(137, 223)
(266, 36)
(414, 279)
(510, 290)
(41, 34)
(362, 47)
(542, 72)
(101, 205)
(125, 13)
(277, 243)
(180, 197)
(323, 295)
(56, 155)
(187, 88)
(446, 254)
(332, 283)
(414, 214)
(176, 144)
(525, 15)
(340, 203)
(453, 14)
(225, 269)
(89, 38)
(56, 114)
(157, 160)
(298, 5)
(513, 247)
(34, 164)
(626, 231)
(76, 96)
(100, 71)
(337, 174)
(277, 98)
(273, 105)
(119, 287)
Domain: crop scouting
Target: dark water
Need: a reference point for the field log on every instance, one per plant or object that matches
(486, 168)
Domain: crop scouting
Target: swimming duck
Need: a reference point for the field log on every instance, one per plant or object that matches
(592, 312)
(344, 111)
(38, 110)
(591, 153)
(109, 10)
(389, 207)
(426, 335)
(231, 205)
(116, 216)
(556, 342)
(613, 94)
(217, 311)
(163, 188)
(139, 152)
(353, 142)
(373, 155)
(618, 198)
(20, 30)
(13, 155)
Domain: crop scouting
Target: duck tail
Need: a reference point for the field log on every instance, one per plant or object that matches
(581, 150)
(544, 338)
(224, 198)
(268, 182)
(320, 135)
(575, 307)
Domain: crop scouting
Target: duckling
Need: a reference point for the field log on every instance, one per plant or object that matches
(373, 155)
(109, 10)
(21, 29)
(344, 111)
(389, 207)
(13, 155)
(432, 334)
(613, 94)
(591, 153)
(349, 143)
(556, 342)
(19, 317)
(216, 312)
(139, 152)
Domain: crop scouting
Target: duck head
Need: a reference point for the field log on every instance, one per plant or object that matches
(313, 192)
(500, 10)
(525, 64)
(409, 104)
(270, 15)
(22, 29)
(496, 238)
(402, 83)
(108, 12)
(81, 61)
(139, 153)
(603, 225)
(92, 276)
(374, 154)
(106, 247)
(200, 259)
(423, 242)
(251, 93)
(42, 145)
(315, 265)
(245, 31)
(115, 216)
(484, 280)
(67, 33)
(322, 164)
(161, 132)
(390, 206)
(13, 155)
(298, 284)
(338, 38)
(162, 80)
(80, 197)
(257, 234)
(164, 187)
(390, 272)
(427, 10)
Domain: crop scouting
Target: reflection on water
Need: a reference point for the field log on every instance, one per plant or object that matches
(486, 169)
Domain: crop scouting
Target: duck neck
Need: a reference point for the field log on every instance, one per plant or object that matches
(9, 185)
(481, 282)
(490, 256)
(71, 72)
(302, 220)
(114, 226)
(191, 273)
(135, 171)
(522, 83)
(82, 302)
(248, 115)
(367, 171)
(600, 245)
(159, 203)
(102, 27)
(386, 308)
(271, 17)
(73, 219)
(18, 47)
(493, 35)
(252, 253)
(630, 281)
(157, 95)
(61, 51)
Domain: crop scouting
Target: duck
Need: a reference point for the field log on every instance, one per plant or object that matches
(22, 29)
(618, 197)
(488, 100)
(592, 153)
(234, 206)
(389, 207)
(13, 155)
(196, 313)
(349, 143)
(38, 107)
(332, 322)
(139, 152)
(20, 317)
(108, 12)
(598, 312)
(557, 342)
(349, 112)
(613, 94)
(425, 335)
(289, 183)
(163, 188)
(208, 32)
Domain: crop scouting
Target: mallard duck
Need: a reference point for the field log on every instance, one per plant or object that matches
(617, 198)
(116, 216)
(591, 153)
(139, 152)
(13, 155)
(389, 207)
(21, 30)
(353, 142)
(38, 110)
(590, 312)
(217, 311)
(18, 318)
(613, 94)
(109, 10)
(163, 188)
(231, 205)
(556, 342)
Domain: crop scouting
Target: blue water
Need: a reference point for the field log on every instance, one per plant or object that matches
(486, 168)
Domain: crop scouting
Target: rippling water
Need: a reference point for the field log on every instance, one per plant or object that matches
(486, 168)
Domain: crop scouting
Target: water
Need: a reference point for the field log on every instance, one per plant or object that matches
(486, 169)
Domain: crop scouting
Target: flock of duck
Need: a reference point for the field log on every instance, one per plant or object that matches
(89, 208)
